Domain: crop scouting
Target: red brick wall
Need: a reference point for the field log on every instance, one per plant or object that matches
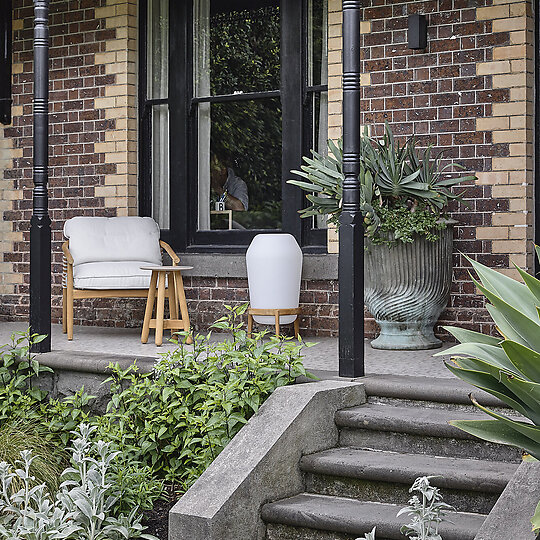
(437, 95)
(76, 125)
(319, 299)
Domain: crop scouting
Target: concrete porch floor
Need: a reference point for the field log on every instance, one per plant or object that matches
(322, 358)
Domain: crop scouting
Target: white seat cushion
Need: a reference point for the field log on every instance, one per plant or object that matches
(111, 275)
(99, 239)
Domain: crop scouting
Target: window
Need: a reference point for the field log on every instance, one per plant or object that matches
(233, 93)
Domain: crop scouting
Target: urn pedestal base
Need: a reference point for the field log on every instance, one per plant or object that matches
(401, 336)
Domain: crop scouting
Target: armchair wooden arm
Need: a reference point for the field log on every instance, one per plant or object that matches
(67, 254)
(174, 257)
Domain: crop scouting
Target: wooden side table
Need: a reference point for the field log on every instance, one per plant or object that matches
(177, 298)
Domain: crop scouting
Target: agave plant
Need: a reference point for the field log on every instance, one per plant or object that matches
(324, 175)
(432, 174)
(507, 367)
(393, 177)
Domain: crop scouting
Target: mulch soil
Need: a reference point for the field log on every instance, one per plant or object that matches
(157, 519)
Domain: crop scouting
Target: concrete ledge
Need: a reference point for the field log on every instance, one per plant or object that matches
(234, 265)
(88, 362)
(74, 370)
(511, 516)
(261, 464)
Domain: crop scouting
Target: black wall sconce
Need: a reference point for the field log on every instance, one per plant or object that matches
(417, 34)
(5, 62)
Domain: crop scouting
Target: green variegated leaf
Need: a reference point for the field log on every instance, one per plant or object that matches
(524, 358)
(514, 293)
(523, 329)
(468, 336)
(490, 354)
(498, 432)
(492, 386)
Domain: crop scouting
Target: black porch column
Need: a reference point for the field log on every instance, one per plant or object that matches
(40, 224)
(351, 232)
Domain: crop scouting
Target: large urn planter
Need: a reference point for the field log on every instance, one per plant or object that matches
(407, 286)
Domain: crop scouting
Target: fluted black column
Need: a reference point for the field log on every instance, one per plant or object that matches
(40, 224)
(351, 234)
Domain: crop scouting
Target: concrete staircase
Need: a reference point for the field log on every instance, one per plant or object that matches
(384, 445)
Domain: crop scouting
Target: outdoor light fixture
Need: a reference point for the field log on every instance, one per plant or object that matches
(417, 34)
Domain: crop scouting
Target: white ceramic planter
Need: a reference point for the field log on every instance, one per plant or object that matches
(274, 268)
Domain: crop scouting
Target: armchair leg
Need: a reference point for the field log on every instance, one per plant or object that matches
(64, 310)
(69, 313)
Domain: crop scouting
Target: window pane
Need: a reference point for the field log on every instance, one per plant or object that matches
(158, 49)
(240, 42)
(242, 160)
(317, 42)
(160, 165)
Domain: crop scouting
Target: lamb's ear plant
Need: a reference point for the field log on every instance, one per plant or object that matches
(369, 535)
(81, 509)
(426, 510)
(506, 366)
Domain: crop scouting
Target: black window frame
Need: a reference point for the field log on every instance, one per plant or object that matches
(295, 97)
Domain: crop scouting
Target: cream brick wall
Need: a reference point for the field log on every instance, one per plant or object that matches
(335, 86)
(511, 177)
(8, 237)
(120, 104)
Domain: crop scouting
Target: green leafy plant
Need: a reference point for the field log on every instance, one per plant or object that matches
(404, 192)
(508, 366)
(427, 511)
(82, 507)
(177, 419)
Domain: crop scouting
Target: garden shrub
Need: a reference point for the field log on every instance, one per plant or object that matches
(181, 416)
(168, 425)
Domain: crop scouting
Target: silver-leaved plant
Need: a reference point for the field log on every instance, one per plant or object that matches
(82, 507)
(426, 510)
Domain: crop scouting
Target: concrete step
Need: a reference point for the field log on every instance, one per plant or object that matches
(348, 518)
(452, 391)
(467, 484)
(416, 430)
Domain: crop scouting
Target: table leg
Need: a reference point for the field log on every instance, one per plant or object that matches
(250, 325)
(181, 296)
(160, 308)
(149, 308)
(173, 299)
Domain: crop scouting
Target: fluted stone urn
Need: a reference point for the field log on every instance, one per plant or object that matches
(407, 287)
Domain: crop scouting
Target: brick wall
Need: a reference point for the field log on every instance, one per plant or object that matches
(469, 94)
(92, 133)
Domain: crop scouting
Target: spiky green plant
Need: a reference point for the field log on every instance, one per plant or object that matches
(324, 175)
(508, 366)
(393, 178)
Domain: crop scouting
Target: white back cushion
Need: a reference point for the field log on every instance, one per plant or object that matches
(100, 239)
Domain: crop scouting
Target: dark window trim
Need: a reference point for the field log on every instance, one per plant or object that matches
(294, 93)
(6, 38)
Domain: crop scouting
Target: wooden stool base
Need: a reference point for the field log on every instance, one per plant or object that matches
(276, 313)
(177, 302)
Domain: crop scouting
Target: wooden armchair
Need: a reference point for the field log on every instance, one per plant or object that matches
(102, 259)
